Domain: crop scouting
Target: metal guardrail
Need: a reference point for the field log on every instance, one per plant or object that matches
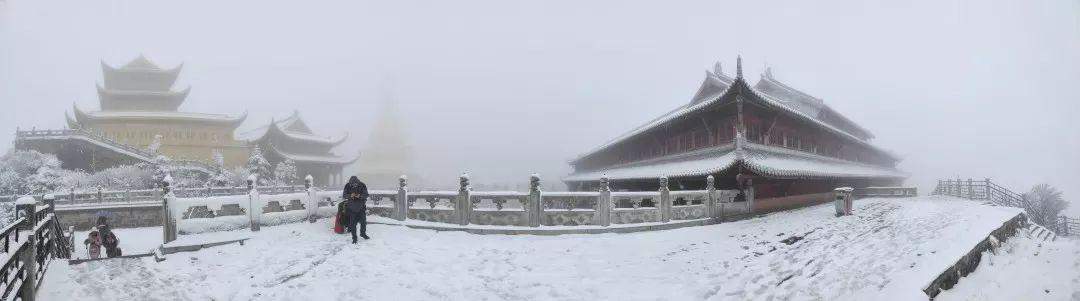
(986, 190)
(31, 243)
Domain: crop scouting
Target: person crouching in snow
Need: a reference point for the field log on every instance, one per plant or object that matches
(93, 244)
(355, 195)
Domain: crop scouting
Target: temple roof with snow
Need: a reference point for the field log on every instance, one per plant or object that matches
(291, 138)
(768, 160)
(141, 90)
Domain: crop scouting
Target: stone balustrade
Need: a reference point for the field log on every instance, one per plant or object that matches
(534, 208)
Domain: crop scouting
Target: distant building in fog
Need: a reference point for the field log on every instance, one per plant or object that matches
(388, 154)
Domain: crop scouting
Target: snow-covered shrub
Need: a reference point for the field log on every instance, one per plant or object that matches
(1043, 204)
(29, 171)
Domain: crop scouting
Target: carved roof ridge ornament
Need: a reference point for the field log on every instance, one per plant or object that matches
(738, 67)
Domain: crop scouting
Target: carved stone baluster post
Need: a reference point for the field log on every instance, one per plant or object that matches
(535, 208)
(26, 206)
(168, 223)
(710, 201)
(312, 204)
(464, 201)
(749, 195)
(603, 203)
(665, 200)
(401, 204)
(254, 203)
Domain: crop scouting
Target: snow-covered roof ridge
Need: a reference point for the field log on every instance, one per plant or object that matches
(769, 81)
(672, 115)
(281, 128)
(769, 99)
(761, 159)
(329, 158)
(83, 116)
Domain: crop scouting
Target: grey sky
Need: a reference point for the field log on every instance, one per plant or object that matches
(503, 89)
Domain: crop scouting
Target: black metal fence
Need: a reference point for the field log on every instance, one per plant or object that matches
(31, 243)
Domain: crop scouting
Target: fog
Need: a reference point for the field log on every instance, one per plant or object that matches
(501, 90)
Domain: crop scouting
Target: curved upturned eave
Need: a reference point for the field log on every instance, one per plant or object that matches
(72, 124)
(276, 130)
(320, 159)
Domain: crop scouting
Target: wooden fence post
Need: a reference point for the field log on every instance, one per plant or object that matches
(535, 208)
(401, 203)
(665, 200)
(603, 203)
(26, 206)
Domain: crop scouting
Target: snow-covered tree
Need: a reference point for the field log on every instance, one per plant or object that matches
(27, 171)
(160, 167)
(1043, 204)
(285, 173)
(257, 164)
(221, 176)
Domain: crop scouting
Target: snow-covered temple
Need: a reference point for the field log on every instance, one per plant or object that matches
(292, 139)
(138, 103)
(784, 141)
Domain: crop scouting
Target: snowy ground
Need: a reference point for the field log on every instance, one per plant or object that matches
(1024, 269)
(889, 248)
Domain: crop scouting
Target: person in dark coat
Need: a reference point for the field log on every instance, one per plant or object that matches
(355, 195)
(108, 238)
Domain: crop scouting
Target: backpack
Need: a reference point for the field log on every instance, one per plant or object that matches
(109, 239)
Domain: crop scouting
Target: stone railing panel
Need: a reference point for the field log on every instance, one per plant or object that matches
(689, 212)
(624, 199)
(381, 202)
(635, 215)
(563, 217)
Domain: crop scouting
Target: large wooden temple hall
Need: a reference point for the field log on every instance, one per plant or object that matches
(786, 142)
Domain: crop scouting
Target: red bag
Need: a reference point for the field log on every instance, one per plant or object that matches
(338, 227)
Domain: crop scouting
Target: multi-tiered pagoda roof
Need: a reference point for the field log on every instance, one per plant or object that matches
(141, 90)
